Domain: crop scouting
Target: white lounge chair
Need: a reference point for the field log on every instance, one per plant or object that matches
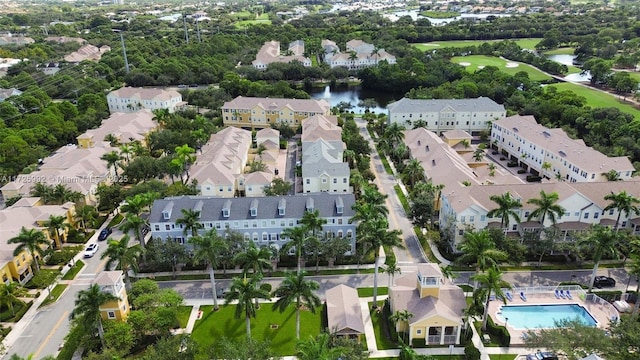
(509, 296)
(562, 294)
(557, 294)
(523, 296)
(568, 294)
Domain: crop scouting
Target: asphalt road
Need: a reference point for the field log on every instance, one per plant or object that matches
(45, 334)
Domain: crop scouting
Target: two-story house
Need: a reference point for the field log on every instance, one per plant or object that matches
(551, 153)
(259, 219)
(440, 115)
(253, 112)
(358, 54)
(112, 282)
(270, 53)
(130, 99)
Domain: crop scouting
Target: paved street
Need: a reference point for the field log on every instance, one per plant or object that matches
(44, 333)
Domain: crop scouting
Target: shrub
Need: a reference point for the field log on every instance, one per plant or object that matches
(522, 171)
(62, 257)
(418, 343)
(500, 332)
(533, 178)
(466, 335)
(471, 352)
(266, 287)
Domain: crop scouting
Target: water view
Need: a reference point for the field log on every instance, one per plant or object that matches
(564, 59)
(354, 95)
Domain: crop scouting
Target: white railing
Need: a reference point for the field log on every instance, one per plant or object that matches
(607, 307)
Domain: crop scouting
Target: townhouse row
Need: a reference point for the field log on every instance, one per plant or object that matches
(357, 55)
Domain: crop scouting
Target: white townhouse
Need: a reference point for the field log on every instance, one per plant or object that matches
(323, 168)
(270, 53)
(466, 208)
(221, 162)
(130, 99)
(551, 153)
(440, 115)
(358, 55)
(259, 219)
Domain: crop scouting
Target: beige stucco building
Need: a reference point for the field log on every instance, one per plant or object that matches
(112, 282)
(253, 112)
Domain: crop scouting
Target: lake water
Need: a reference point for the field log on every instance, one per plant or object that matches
(564, 59)
(354, 95)
(415, 15)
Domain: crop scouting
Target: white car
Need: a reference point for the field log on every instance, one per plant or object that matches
(91, 250)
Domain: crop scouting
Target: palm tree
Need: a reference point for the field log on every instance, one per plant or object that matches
(295, 289)
(138, 203)
(125, 151)
(208, 249)
(112, 139)
(85, 214)
(611, 175)
(297, 237)
(492, 282)
(600, 241)
(122, 253)
(392, 269)
(190, 221)
(112, 158)
(414, 171)
(394, 133)
(9, 295)
(478, 154)
(448, 273)
(478, 248)
(376, 52)
(30, 240)
(43, 191)
(546, 206)
(255, 259)
(87, 309)
(134, 223)
(401, 316)
(370, 206)
(505, 211)
(245, 291)
(313, 222)
(317, 348)
(624, 203)
(373, 235)
(349, 157)
(54, 224)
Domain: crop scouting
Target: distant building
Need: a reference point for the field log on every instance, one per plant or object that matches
(15, 40)
(358, 55)
(552, 153)
(470, 115)
(125, 127)
(112, 282)
(254, 112)
(65, 39)
(130, 99)
(7, 93)
(87, 52)
(270, 53)
(259, 219)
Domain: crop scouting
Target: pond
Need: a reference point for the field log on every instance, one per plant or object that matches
(354, 96)
(564, 59)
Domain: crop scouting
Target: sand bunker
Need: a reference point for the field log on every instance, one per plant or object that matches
(464, 63)
(480, 66)
(511, 65)
(430, 44)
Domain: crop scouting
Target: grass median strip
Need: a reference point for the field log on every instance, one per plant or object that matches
(75, 269)
(55, 294)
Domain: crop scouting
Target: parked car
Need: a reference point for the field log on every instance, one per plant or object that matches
(91, 250)
(104, 234)
(221, 292)
(542, 355)
(603, 281)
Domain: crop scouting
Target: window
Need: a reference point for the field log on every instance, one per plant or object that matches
(610, 211)
(335, 180)
(586, 215)
(344, 180)
(472, 218)
(308, 181)
(483, 218)
(265, 237)
(418, 331)
(460, 232)
(167, 227)
(462, 219)
(254, 212)
(245, 224)
(111, 314)
(324, 180)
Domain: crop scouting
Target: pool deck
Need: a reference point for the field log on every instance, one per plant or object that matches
(598, 311)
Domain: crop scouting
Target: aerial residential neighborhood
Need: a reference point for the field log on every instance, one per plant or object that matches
(336, 180)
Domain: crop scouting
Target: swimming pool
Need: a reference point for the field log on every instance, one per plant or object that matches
(544, 316)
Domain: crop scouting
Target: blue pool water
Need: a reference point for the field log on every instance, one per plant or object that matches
(544, 316)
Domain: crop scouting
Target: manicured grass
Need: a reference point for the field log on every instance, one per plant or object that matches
(440, 14)
(634, 75)
(75, 269)
(368, 291)
(597, 98)
(424, 242)
(385, 162)
(246, 23)
(481, 60)
(55, 294)
(116, 220)
(183, 315)
(382, 342)
(502, 356)
(529, 43)
(466, 288)
(402, 198)
(560, 51)
(222, 323)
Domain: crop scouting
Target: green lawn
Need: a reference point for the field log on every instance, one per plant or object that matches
(529, 43)
(71, 274)
(261, 19)
(597, 98)
(183, 315)
(401, 197)
(382, 342)
(481, 60)
(368, 291)
(55, 294)
(215, 325)
(116, 220)
(560, 51)
(502, 356)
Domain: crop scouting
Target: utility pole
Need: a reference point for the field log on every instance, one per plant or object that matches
(198, 30)
(124, 52)
(186, 33)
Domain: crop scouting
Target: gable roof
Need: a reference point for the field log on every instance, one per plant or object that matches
(128, 92)
(108, 278)
(406, 105)
(344, 313)
(298, 105)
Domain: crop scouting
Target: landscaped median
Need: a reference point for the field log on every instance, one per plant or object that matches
(57, 291)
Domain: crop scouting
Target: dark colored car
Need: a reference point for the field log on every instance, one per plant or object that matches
(542, 355)
(603, 281)
(104, 234)
(221, 292)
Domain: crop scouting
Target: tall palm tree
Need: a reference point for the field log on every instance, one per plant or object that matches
(297, 237)
(122, 253)
(87, 309)
(296, 289)
(112, 139)
(600, 241)
(125, 152)
(448, 273)
(546, 206)
(394, 133)
(505, 211)
(479, 249)
(392, 269)
(43, 191)
(190, 219)
(134, 223)
(54, 225)
(255, 259)
(245, 291)
(313, 222)
(208, 249)
(491, 280)
(10, 293)
(112, 158)
(401, 316)
(414, 171)
(624, 203)
(478, 154)
(375, 234)
(371, 205)
(85, 214)
(32, 241)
